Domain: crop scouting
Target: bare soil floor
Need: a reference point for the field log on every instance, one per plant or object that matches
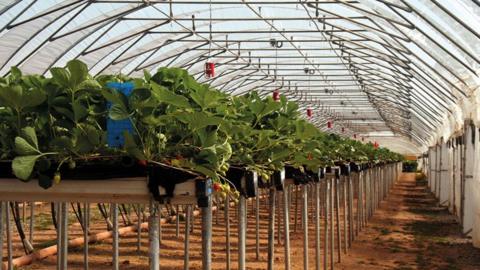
(408, 231)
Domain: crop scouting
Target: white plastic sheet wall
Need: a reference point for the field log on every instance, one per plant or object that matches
(453, 172)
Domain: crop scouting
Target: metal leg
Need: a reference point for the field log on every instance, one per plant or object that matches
(257, 225)
(32, 219)
(305, 227)
(177, 222)
(186, 258)
(337, 218)
(207, 236)
(346, 228)
(86, 218)
(286, 226)
(154, 250)
(296, 209)
(1, 233)
(242, 219)
(114, 207)
(332, 230)
(64, 235)
(139, 228)
(271, 229)
(279, 219)
(227, 232)
(327, 212)
(317, 226)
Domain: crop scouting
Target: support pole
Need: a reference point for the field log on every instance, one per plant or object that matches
(327, 212)
(86, 217)
(9, 237)
(139, 228)
(286, 226)
(305, 227)
(257, 225)
(32, 219)
(186, 251)
(227, 232)
(64, 235)
(317, 226)
(154, 250)
(114, 207)
(241, 232)
(271, 229)
(207, 235)
(332, 230)
(337, 218)
(346, 228)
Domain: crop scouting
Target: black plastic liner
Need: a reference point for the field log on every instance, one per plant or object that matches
(167, 178)
(244, 181)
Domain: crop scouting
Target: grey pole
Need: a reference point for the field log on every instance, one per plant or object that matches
(346, 229)
(186, 257)
(305, 227)
(241, 232)
(317, 226)
(9, 237)
(227, 232)
(286, 226)
(154, 250)
(207, 235)
(337, 218)
(32, 218)
(160, 225)
(327, 212)
(279, 219)
(296, 209)
(139, 228)
(332, 218)
(177, 222)
(64, 235)
(271, 229)
(114, 207)
(1, 232)
(86, 215)
(257, 225)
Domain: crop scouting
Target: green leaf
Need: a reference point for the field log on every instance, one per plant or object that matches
(78, 72)
(166, 96)
(118, 112)
(205, 97)
(61, 76)
(79, 111)
(199, 120)
(29, 134)
(131, 146)
(12, 96)
(23, 166)
(22, 147)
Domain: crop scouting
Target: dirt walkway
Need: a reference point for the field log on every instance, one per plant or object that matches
(410, 231)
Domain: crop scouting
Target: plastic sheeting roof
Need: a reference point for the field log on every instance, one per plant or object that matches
(388, 70)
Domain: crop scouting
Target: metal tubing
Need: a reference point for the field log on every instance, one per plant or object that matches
(139, 228)
(286, 226)
(86, 217)
(1, 231)
(305, 227)
(9, 237)
(332, 230)
(32, 218)
(317, 226)
(346, 227)
(271, 229)
(186, 251)
(227, 232)
(257, 225)
(154, 250)
(337, 218)
(241, 232)
(64, 235)
(207, 235)
(115, 254)
(177, 222)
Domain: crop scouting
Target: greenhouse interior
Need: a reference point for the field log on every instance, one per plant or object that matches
(240, 134)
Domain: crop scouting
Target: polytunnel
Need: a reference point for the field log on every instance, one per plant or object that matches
(399, 74)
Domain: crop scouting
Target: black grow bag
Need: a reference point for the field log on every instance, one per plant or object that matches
(246, 182)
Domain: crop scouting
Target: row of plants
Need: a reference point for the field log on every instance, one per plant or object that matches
(49, 125)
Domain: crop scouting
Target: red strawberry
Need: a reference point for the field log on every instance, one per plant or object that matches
(217, 187)
(142, 163)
